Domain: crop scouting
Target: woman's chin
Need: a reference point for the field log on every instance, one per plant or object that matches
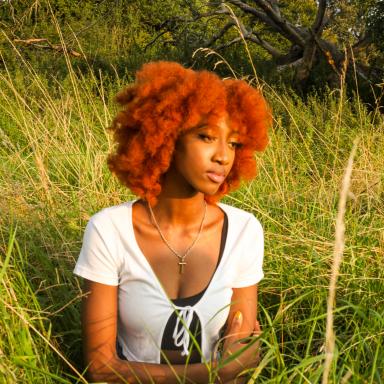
(211, 191)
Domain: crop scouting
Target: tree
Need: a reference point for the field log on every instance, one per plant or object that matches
(375, 22)
(338, 35)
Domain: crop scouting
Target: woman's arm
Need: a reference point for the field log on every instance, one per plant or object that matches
(242, 323)
(99, 326)
(244, 300)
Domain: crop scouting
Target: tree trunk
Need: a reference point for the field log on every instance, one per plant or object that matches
(308, 61)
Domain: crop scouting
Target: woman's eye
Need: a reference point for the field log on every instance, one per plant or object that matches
(235, 144)
(205, 137)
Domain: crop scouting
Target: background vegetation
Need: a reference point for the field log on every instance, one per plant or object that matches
(56, 102)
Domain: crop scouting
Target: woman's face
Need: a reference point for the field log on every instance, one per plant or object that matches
(204, 157)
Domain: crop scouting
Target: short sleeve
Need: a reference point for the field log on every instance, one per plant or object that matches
(98, 260)
(250, 264)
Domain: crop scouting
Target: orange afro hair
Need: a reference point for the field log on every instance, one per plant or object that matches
(167, 100)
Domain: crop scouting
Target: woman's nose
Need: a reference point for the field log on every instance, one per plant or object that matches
(222, 155)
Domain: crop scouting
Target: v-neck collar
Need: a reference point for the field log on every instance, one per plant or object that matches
(148, 267)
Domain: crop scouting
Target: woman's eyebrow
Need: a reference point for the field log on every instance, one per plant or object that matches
(204, 125)
(213, 126)
(197, 127)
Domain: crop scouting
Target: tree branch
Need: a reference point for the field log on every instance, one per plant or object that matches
(318, 24)
(36, 43)
(289, 31)
(275, 6)
(295, 54)
(220, 34)
(253, 11)
(153, 41)
(217, 12)
(169, 24)
(293, 64)
(248, 35)
(255, 38)
(226, 45)
(274, 52)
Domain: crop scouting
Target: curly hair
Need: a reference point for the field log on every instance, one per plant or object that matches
(167, 100)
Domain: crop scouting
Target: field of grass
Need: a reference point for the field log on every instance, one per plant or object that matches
(53, 177)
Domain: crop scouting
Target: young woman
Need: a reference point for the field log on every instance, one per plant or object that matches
(169, 274)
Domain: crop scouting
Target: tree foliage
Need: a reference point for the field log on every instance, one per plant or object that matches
(112, 36)
(309, 43)
(375, 24)
(337, 38)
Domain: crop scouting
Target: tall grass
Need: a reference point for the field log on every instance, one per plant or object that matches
(53, 176)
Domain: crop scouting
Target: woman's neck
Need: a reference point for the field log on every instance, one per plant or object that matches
(173, 211)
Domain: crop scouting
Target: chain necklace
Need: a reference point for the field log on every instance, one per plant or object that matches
(182, 263)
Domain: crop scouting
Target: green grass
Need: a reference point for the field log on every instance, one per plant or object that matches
(53, 176)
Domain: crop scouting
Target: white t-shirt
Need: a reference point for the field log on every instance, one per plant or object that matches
(110, 255)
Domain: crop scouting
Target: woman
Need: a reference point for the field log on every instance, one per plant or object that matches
(168, 274)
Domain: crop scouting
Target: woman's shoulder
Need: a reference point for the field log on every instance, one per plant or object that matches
(112, 214)
(239, 215)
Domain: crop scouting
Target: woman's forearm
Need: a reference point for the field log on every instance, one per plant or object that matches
(123, 371)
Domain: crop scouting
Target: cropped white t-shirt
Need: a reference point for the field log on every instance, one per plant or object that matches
(110, 255)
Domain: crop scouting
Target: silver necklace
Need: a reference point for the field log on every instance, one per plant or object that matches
(182, 263)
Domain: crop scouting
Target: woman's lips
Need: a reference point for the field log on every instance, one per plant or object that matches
(216, 177)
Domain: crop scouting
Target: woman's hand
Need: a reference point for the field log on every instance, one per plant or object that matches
(248, 351)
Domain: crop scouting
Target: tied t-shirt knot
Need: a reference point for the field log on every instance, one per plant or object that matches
(181, 333)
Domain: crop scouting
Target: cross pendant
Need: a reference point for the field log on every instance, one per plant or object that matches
(181, 266)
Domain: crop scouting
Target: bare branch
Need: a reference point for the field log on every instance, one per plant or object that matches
(294, 64)
(255, 12)
(217, 12)
(318, 24)
(226, 45)
(220, 34)
(248, 35)
(274, 52)
(255, 38)
(36, 43)
(287, 29)
(295, 53)
(275, 6)
(169, 24)
(153, 41)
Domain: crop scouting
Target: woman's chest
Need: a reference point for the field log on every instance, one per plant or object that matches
(183, 277)
(182, 270)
